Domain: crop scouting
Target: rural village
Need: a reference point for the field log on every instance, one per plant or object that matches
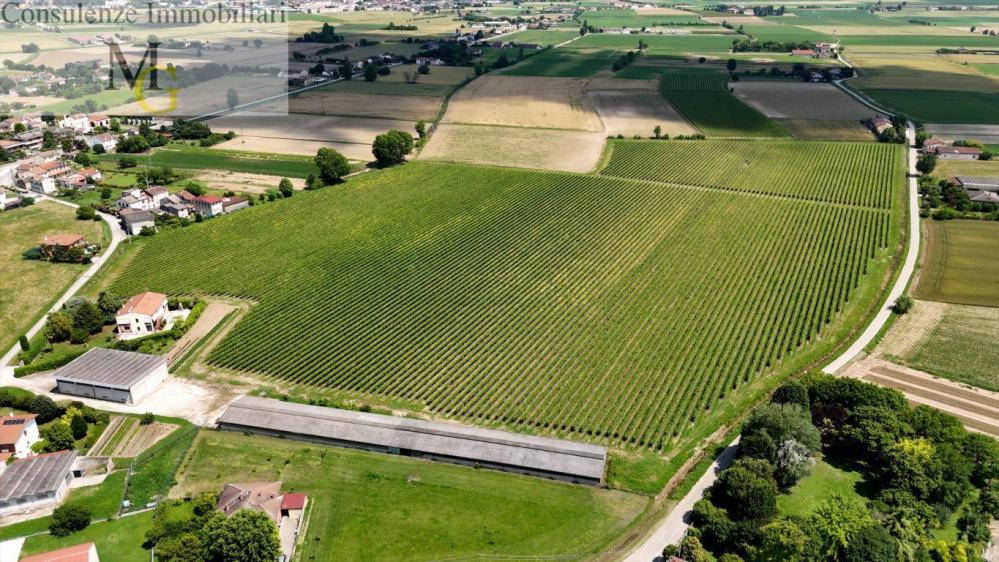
(416, 280)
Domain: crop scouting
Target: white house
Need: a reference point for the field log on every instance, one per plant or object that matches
(209, 205)
(107, 140)
(135, 220)
(157, 194)
(142, 315)
(135, 199)
(78, 122)
(17, 435)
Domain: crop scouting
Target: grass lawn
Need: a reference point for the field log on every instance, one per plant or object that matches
(155, 468)
(933, 106)
(30, 285)
(370, 506)
(960, 263)
(948, 168)
(93, 196)
(825, 481)
(119, 540)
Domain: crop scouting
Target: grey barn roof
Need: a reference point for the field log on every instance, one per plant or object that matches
(447, 439)
(978, 180)
(36, 475)
(110, 367)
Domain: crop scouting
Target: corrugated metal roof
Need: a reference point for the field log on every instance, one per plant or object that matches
(110, 367)
(36, 475)
(977, 180)
(448, 439)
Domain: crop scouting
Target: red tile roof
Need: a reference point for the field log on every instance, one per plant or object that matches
(61, 239)
(210, 199)
(77, 553)
(293, 501)
(11, 427)
(957, 150)
(143, 303)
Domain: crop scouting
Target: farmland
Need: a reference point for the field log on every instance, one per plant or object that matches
(532, 300)
(816, 171)
(935, 106)
(37, 282)
(369, 506)
(564, 63)
(126, 437)
(961, 263)
(185, 157)
(705, 101)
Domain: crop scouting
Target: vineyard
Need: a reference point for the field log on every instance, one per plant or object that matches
(704, 99)
(864, 174)
(587, 306)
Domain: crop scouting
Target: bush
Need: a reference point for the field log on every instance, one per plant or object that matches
(902, 304)
(747, 491)
(147, 418)
(127, 162)
(79, 427)
(59, 437)
(68, 519)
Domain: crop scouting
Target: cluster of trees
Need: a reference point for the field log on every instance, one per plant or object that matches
(146, 139)
(896, 133)
(183, 129)
(80, 318)
(753, 46)
(393, 27)
(327, 34)
(625, 59)
(943, 200)
(73, 425)
(29, 48)
(209, 536)
(922, 464)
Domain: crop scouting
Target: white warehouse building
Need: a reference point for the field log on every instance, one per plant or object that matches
(113, 375)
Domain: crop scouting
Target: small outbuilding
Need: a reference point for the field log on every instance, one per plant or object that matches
(36, 482)
(113, 375)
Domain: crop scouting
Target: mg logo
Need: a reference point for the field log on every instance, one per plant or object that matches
(137, 81)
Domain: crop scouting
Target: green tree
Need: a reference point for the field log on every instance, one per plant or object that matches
(186, 547)
(22, 340)
(45, 407)
(731, 65)
(108, 303)
(392, 147)
(285, 187)
(59, 436)
(782, 422)
(370, 73)
(657, 132)
(69, 518)
(58, 327)
(86, 213)
(926, 163)
(126, 162)
(421, 129)
(86, 316)
(332, 165)
(49, 141)
(232, 98)
(746, 491)
(83, 159)
(871, 544)
(247, 536)
(783, 539)
(902, 304)
(20, 128)
(78, 426)
(836, 521)
(792, 392)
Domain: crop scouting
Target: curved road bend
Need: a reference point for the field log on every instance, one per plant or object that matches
(117, 235)
(675, 524)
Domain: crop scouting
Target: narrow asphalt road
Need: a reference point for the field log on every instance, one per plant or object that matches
(117, 235)
(676, 523)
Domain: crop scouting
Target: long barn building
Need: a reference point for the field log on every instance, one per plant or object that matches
(524, 454)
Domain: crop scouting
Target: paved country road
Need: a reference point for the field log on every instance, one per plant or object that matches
(117, 235)
(676, 523)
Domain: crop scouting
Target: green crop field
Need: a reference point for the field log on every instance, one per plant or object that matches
(863, 174)
(658, 44)
(783, 33)
(183, 157)
(564, 63)
(631, 18)
(705, 101)
(933, 106)
(961, 263)
(966, 40)
(585, 306)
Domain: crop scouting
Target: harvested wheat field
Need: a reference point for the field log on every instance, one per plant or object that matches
(546, 149)
(408, 108)
(628, 113)
(353, 151)
(244, 183)
(911, 330)
(546, 103)
(799, 100)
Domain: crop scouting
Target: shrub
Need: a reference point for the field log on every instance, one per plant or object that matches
(902, 304)
(147, 418)
(68, 519)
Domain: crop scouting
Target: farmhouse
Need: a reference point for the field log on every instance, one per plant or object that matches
(143, 314)
(208, 205)
(523, 454)
(957, 152)
(17, 435)
(86, 552)
(36, 482)
(930, 145)
(63, 246)
(135, 220)
(879, 124)
(978, 183)
(112, 375)
(285, 510)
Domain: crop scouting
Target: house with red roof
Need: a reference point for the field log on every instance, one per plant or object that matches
(209, 205)
(143, 314)
(957, 152)
(17, 434)
(286, 510)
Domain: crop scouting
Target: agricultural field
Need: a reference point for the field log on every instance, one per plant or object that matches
(705, 101)
(529, 300)
(826, 129)
(816, 171)
(542, 37)
(564, 63)
(695, 44)
(636, 112)
(785, 33)
(800, 100)
(934, 106)
(191, 158)
(896, 70)
(951, 168)
(519, 147)
(34, 284)
(954, 341)
(610, 19)
(126, 437)
(960, 263)
(368, 506)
